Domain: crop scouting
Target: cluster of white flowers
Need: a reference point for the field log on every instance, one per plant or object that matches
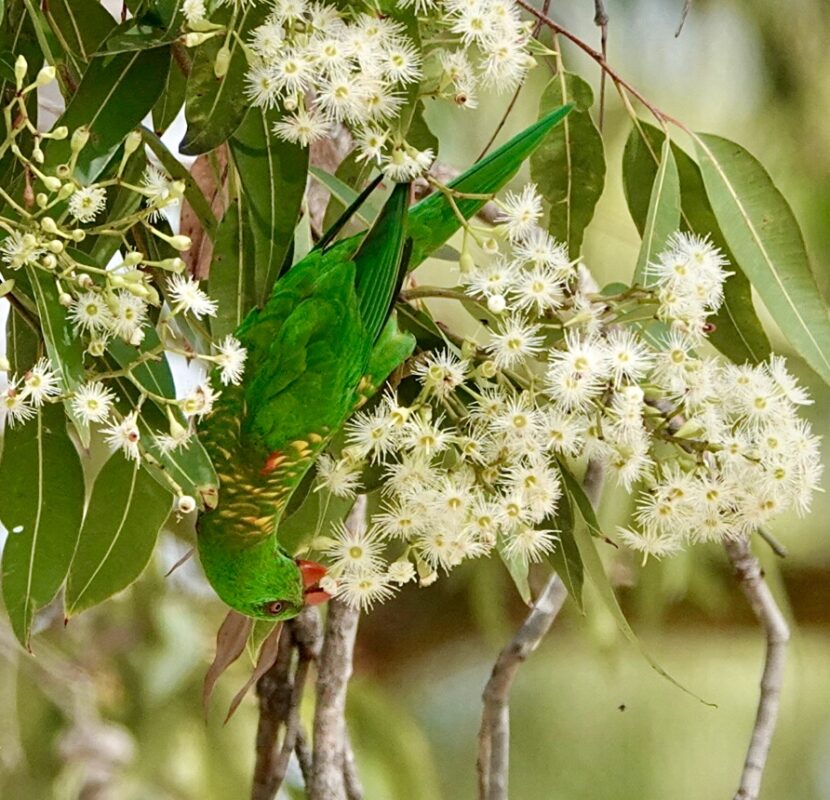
(324, 66)
(109, 303)
(473, 463)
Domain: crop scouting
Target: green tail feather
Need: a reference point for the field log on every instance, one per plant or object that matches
(433, 220)
(378, 260)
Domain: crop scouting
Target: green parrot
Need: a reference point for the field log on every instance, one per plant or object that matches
(322, 344)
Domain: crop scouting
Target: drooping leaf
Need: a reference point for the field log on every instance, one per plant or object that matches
(64, 348)
(569, 166)
(738, 333)
(193, 194)
(122, 521)
(565, 559)
(267, 656)
(43, 494)
(232, 271)
(273, 177)
(663, 216)
(230, 644)
(214, 107)
(116, 93)
(584, 531)
(79, 25)
(762, 232)
(519, 571)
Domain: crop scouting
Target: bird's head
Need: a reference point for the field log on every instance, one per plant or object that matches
(261, 581)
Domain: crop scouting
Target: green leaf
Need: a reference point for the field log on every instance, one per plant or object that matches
(79, 25)
(763, 233)
(21, 342)
(583, 535)
(195, 198)
(64, 348)
(231, 280)
(116, 93)
(171, 101)
(565, 559)
(273, 177)
(569, 166)
(125, 513)
(214, 107)
(519, 571)
(663, 217)
(43, 496)
(738, 332)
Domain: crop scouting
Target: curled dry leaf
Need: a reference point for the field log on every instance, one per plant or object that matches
(230, 642)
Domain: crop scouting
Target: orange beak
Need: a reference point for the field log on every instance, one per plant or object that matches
(311, 573)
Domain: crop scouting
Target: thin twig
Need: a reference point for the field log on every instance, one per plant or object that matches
(687, 4)
(661, 116)
(494, 735)
(777, 633)
(601, 21)
(333, 673)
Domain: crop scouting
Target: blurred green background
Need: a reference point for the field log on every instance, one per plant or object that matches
(110, 707)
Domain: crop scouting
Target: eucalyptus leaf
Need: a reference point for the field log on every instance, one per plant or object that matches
(43, 496)
(79, 25)
(232, 271)
(662, 217)
(519, 571)
(122, 521)
(762, 232)
(569, 166)
(273, 177)
(565, 559)
(214, 107)
(116, 93)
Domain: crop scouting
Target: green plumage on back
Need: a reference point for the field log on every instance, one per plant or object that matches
(323, 342)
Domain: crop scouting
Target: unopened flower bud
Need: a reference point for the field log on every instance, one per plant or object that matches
(137, 337)
(5, 366)
(20, 67)
(45, 76)
(223, 61)
(55, 246)
(133, 258)
(42, 200)
(132, 143)
(37, 155)
(78, 235)
(49, 261)
(173, 264)
(59, 133)
(466, 263)
(185, 504)
(52, 183)
(85, 281)
(67, 190)
(180, 242)
(80, 137)
(65, 299)
(496, 303)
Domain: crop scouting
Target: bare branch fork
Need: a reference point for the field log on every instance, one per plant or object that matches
(769, 615)
(494, 734)
(327, 766)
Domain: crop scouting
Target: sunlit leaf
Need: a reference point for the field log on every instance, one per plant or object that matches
(565, 559)
(273, 177)
(569, 166)
(519, 571)
(738, 333)
(43, 494)
(662, 217)
(122, 521)
(762, 232)
(79, 25)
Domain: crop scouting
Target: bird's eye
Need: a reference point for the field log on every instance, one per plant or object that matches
(273, 608)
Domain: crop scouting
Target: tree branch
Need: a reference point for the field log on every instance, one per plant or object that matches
(765, 608)
(334, 670)
(494, 735)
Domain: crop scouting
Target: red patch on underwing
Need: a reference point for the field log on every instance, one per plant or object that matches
(272, 462)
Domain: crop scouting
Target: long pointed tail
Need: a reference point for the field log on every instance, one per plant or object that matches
(433, 221)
